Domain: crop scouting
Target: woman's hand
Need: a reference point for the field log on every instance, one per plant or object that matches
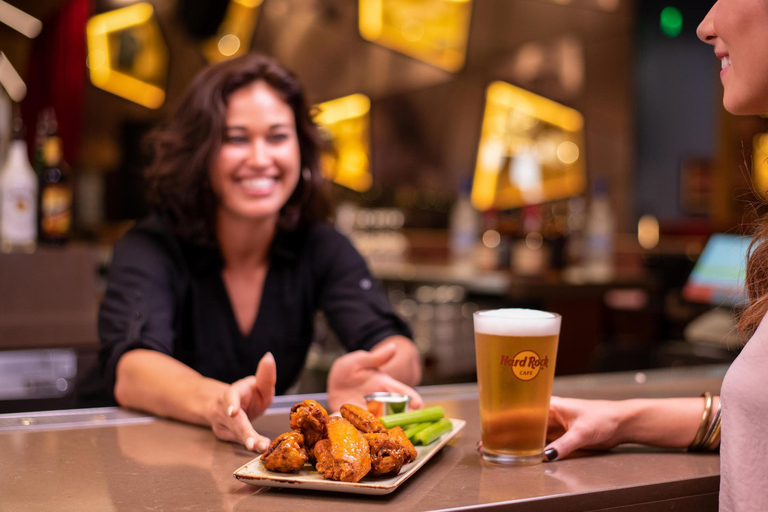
(242, 401)
(358, 373)
(582, 424)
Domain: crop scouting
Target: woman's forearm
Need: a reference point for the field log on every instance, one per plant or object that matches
(159, 384)
(670, 423)
(405, 366)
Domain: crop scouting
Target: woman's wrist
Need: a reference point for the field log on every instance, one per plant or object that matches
(629, 417)
(209, 398)
(668, 422)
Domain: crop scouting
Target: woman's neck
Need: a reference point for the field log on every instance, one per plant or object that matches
(244, 243)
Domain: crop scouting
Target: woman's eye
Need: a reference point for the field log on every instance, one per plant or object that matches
(277, 137)
(235, 139)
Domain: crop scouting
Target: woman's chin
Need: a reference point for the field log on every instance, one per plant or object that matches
(250, 214)
(739, 106)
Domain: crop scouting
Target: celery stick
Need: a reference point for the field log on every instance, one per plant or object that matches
(416, 428)
(411, 417)
(433, 432)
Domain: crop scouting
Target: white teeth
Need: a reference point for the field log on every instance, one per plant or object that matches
(725, 62)
(258, 184)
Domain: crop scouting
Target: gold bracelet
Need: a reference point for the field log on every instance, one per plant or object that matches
(715, 438)
(713, 431)
(701, 432)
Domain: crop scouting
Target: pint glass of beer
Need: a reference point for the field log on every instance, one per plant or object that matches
(515, 350)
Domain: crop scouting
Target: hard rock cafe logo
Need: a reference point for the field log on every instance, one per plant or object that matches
(526, 364)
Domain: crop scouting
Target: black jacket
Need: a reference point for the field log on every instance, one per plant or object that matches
(169, 296)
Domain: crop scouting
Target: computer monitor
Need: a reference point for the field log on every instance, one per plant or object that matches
(718, 276)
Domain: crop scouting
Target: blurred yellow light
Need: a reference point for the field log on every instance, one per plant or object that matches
(412, 31)
(347, 122)
(491, 239)
(229, 44)
(648, 232)
(568, 152)
(534, 241)
(234, 36)
(760, 163)
(433, 31)
(517, 163)
(348, 107)
(142, 82)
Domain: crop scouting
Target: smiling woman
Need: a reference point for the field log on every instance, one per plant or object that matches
(257, 168)
(217, 122)
(738, 30)
(210, 303)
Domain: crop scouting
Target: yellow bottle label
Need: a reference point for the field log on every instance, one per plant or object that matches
(56, 210)
(52, 151)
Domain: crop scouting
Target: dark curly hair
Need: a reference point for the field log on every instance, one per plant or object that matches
(178, 184)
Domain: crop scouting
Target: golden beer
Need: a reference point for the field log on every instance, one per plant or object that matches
(515, 351)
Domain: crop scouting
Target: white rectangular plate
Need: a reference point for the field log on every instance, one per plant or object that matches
(308, 478)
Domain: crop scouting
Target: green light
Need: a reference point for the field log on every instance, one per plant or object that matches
(671, 21)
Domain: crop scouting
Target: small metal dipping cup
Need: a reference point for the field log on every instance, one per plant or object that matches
(383, 403)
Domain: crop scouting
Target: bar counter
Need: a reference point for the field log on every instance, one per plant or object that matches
(113, 459)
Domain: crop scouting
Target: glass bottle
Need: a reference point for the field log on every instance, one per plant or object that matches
(18, 198)
(56, 191)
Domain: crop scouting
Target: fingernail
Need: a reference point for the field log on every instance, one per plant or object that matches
(231, 410)
(249, 443)
(263, 445)
(550, 454)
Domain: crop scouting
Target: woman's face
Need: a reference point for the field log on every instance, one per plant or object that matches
(258, 166)
(738, 29)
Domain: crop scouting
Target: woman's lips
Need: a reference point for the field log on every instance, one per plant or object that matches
(725, 64)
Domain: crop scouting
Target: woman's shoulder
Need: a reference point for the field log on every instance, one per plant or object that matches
(326, 248)
(324, 239)
(150, 240)
(323, 232)
(747, 372)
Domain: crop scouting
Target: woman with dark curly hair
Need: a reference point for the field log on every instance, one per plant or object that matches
(738, 30)
(210, 302)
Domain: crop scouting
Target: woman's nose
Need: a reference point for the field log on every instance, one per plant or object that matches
(706, 30)
(259, 155)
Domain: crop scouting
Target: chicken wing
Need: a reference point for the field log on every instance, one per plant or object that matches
(286, 454)
(398, 434)
(363, 420)
(310, 418)
(344, 455)
(387, 455)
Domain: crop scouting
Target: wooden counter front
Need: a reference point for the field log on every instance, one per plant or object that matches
(110, 459)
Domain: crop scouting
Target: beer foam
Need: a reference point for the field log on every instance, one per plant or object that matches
(517, 322)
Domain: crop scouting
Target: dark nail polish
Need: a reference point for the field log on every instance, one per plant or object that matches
(550, 454)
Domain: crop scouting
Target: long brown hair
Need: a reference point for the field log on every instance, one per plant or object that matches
(178, 184)
(756, 281)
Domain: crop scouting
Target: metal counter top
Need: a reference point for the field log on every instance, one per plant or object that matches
(111, 459)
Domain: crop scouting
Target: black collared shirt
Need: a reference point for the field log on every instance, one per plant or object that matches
(169, 296)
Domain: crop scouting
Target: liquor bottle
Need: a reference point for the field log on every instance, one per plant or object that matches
(599, 233)
(55, 191)
(18, 197)
(41, 134)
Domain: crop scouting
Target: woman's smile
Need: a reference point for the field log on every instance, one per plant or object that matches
(257, 186)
